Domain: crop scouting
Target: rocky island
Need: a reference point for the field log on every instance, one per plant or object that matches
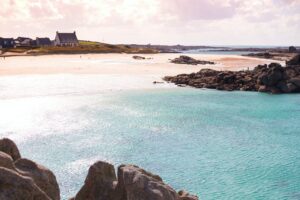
(272, 78)
(21, 178)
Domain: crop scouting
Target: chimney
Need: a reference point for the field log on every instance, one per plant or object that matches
(75, 32)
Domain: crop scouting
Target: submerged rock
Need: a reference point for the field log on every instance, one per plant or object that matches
(272, 78)
(190, 61)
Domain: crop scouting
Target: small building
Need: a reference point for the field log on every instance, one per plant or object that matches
(7, 43)
(66, 39)
(23, 42)
(41, 42)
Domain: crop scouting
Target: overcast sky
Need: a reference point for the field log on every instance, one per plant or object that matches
(193, 22)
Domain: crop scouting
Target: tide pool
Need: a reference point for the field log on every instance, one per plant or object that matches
(218, 145)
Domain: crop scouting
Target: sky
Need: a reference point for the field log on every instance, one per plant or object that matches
(187, 22)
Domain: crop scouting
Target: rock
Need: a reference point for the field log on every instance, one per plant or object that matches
(158, 82)
(25, 179)
(294, 61)
(138, 57)
(9, 147)
(138, 184)
(292, 87)
(266, 55)
(14, 186)
(295, 81)
(6, 161)
(133, 183)
(272, 78)
(184, 195)
(190, 61)
(41, 176)
(99, 184)
(292, 49)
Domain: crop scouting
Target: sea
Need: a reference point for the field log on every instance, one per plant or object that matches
(218, 145)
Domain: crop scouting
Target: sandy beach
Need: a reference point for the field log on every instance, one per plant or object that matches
(121, 64)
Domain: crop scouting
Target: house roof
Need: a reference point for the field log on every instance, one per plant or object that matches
(43, 41)
(21, 39)
(67, 37)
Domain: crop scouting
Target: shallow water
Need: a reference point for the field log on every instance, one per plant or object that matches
(219, 145)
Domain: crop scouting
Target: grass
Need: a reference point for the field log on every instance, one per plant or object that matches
(84, 47)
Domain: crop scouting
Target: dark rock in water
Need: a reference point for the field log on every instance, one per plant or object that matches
(292, 49)
(190, 61)
(41, 176)
(272, 78)
(138, 57)
(9, 147)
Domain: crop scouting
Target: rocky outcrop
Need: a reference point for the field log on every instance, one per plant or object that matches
(99, 184)
(15, 187)
(27, 180)
(24, 179)
(132, 183)
(294, 61)
(42, 177)
(190, 61)
(292, 49)
(272, 78)
(9, 147)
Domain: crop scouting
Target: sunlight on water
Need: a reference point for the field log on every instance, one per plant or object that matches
(219, 145)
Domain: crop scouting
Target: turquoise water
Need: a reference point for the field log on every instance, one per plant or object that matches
(219, 145)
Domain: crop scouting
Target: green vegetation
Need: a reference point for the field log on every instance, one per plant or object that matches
(83, 48)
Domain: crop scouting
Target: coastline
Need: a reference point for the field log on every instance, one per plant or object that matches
(120, 64)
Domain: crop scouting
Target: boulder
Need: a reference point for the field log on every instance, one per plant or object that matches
(9, 147)
(294, 61)
(292, 49)
(99, 184)
(14, 186)
(6, 161)
(295, 81)
(184, 195)
(41, 176)
(138, 184)
(133, 183)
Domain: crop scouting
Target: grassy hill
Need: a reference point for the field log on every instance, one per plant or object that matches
(83, 48)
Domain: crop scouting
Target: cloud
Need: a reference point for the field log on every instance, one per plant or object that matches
(156, 21)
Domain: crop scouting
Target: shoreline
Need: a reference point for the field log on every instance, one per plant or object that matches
(120, 64)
